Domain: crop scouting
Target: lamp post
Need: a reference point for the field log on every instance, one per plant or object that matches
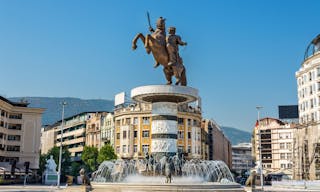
(260, 149)
(60, 153)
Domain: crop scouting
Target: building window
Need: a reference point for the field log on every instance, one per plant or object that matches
(2, 136)
(14, 126)
(14, 137)
(145, 133)
(127, 121)
(135, 134)
(289, 156)
(281, 145)
(118, 135)
(282, 156)
(124, 149)
(15, 116)
(146, 120)
(283, 165)
(13, 148)
(135, 148)
(124, 134)
(180, 134)
(135, 121)
(118, 123)
(289, 145)
(195, 123)
(145, 148)
(189, 135)
(189, 122)
(118, 149)
(180, 121)
(180, 149)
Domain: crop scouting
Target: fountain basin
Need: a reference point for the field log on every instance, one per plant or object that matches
(145, 187)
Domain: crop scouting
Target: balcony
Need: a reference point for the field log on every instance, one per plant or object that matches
(13, 142)
(76, 149)
(72, 133)
(72, 141)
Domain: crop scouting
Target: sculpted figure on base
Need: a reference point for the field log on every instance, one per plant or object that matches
(165, 51)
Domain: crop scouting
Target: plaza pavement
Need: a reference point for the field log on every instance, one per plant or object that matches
(45, 188)
(30, 188)
(273, 189)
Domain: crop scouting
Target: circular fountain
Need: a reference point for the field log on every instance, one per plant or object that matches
(139, 175)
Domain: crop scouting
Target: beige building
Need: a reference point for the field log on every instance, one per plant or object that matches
(47, 140)
(133, 131)
(107, 129)
(20, 128)
(83, 129)
(74, 134)
(219, 147)
(276, 145)
(242, 157)
(93, 130)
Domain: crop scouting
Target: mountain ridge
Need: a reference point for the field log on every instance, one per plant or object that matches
(75, 106)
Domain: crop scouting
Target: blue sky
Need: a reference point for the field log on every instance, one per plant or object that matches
(240, 54)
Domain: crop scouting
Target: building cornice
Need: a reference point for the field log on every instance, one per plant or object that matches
(309, 63)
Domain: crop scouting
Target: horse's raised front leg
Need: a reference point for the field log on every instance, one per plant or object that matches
(135, 39)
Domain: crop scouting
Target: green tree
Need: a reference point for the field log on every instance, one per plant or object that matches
(106, 153)
(89, 157)
(42, 163)
(75, 168)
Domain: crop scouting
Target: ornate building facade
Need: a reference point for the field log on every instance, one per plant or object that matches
(133, 132)
(107, 129)
(307, 139)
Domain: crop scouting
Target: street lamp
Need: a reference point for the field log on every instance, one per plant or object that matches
(260, 149)
(60, 153)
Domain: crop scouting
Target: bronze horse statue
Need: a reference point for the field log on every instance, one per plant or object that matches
(156, 44)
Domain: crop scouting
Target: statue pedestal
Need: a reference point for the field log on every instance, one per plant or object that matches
(165, 100)
(50, 178)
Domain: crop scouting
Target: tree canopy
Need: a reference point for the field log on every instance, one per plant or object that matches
(106, 153)
(89, 157)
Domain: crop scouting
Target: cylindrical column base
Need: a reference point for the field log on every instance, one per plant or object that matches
(164, 129)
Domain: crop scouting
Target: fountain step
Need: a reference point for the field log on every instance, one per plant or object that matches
(143, 187)
(77, 189)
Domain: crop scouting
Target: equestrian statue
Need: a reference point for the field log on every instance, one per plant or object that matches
(165, 50)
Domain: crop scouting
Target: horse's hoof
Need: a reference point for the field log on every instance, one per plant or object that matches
(134, 47)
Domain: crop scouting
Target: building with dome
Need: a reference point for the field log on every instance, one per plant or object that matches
(306, 144)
